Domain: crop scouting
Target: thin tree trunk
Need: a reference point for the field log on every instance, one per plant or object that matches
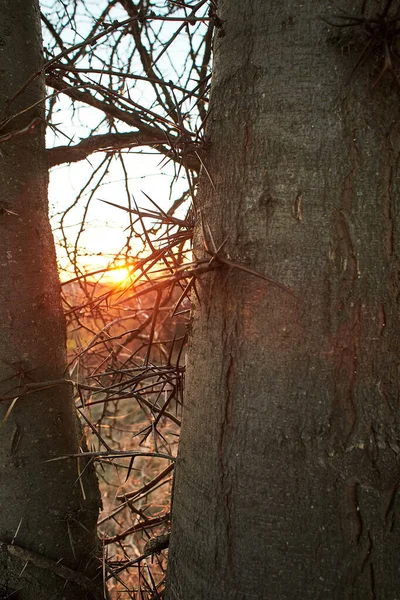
(48, 511)
(288, 468)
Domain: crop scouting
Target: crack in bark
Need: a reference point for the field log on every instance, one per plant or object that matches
(360, 576)
(389, 510)
(226, 484)
(387, 208)
(382, 319)
(347, 359)
(352, 511)
(347, 307)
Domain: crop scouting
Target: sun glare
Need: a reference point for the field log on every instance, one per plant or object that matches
(119, 275)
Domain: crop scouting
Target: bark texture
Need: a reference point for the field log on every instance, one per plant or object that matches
(48, 512)
(288, 471)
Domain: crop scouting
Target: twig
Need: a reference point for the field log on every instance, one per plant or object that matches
(42, 562)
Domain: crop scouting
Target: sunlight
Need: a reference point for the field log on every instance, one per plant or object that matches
(118, 275)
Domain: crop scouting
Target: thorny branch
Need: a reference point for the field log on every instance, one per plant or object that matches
(126, 341)
(380, 33)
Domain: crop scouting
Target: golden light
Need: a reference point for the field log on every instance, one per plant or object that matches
(118, 275)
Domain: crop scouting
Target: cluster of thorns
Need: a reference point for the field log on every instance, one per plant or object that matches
(382, 32)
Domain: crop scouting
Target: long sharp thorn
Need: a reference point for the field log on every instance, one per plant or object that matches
(214, 247)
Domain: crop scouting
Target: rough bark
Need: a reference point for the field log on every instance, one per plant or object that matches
(48, 512)
(288, 469)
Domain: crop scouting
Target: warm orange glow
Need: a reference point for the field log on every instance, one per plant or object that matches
(119, 275)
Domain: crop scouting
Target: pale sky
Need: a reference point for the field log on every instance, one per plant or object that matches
(104, 234)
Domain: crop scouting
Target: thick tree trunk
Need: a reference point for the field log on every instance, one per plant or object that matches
(288, 469)
(48, 512)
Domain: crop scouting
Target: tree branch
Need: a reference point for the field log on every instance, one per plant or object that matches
(145, 135)
(105, 142)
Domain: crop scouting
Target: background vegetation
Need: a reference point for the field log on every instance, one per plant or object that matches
(127, 94)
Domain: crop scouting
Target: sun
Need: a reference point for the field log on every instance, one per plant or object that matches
(119, 275)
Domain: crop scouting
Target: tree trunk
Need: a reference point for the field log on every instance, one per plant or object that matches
(48, 511)
(288, 468)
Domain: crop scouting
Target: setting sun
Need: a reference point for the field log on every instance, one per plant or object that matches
(118, 275)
